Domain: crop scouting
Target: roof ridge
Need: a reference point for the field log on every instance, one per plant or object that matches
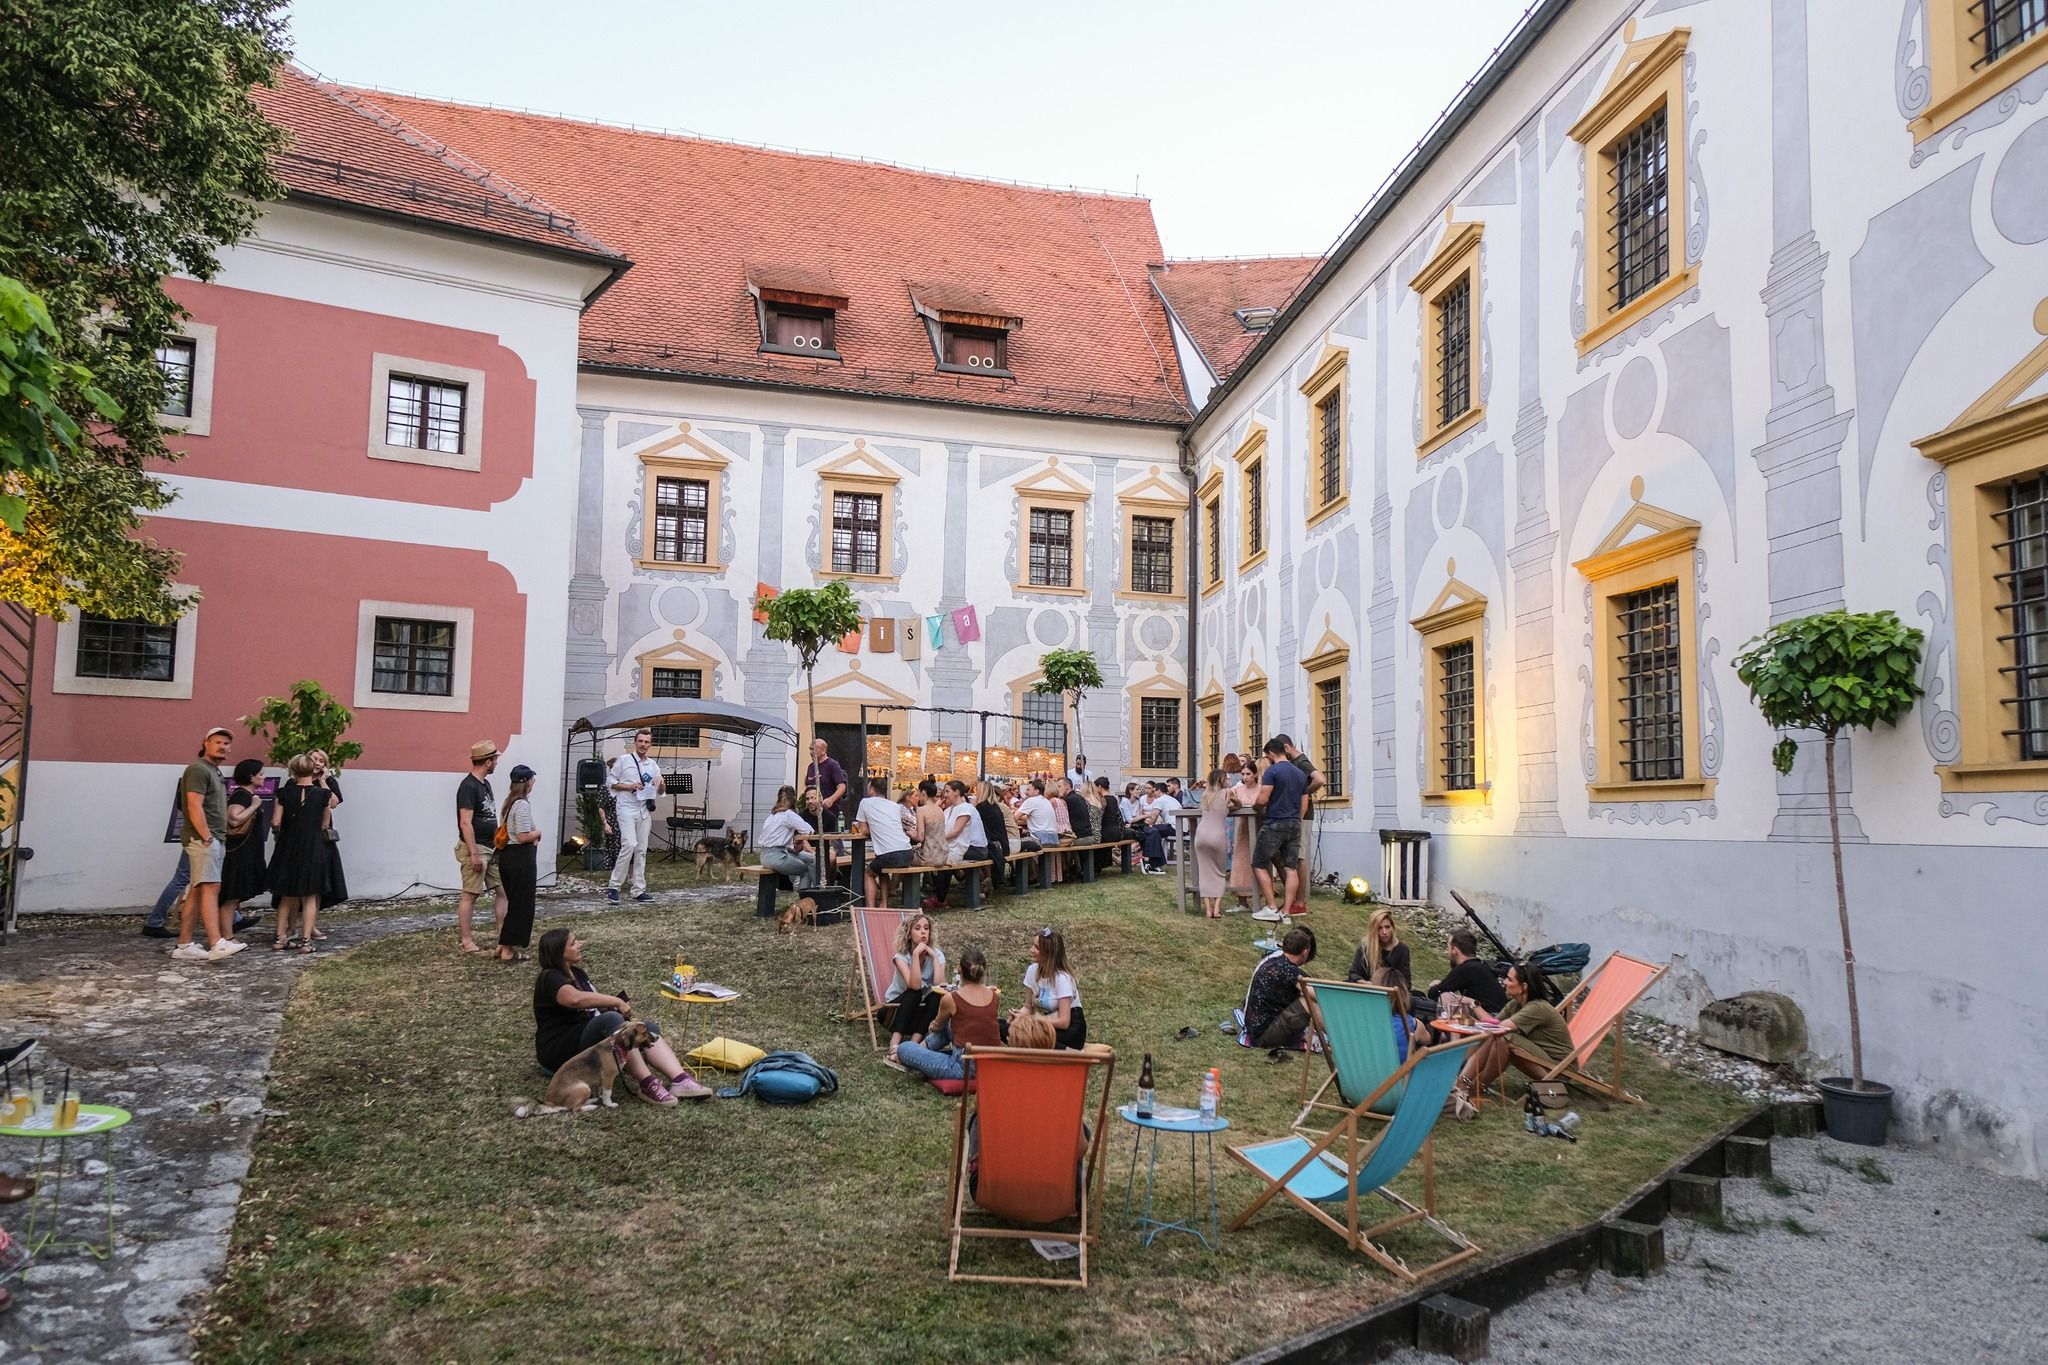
(1220, 260)
(685, 135)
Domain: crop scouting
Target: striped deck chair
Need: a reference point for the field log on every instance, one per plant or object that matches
(874, 952)
(1593, 1012)
(1356, 1025)
(1336, 1168)
(1029, 1157)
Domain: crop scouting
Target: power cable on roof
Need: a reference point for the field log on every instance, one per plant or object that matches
(1165, 379)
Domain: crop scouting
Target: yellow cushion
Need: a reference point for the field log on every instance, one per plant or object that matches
(727, 1054)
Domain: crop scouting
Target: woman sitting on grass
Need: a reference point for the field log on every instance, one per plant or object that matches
(970, 1015)
(1380, 950)
(1054, 996)
(1536, 1038)
(914, 988)
(570, 1014)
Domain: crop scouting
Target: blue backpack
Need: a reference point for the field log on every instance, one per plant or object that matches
(784, 1078)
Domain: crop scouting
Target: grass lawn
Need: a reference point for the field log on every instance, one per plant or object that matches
(397, 1212)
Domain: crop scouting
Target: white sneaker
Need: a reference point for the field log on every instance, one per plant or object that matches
(227, 947)
(1235, 909)
(1269, 915)
(191, 952)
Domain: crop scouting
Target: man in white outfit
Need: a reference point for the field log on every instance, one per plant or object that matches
(635, 782)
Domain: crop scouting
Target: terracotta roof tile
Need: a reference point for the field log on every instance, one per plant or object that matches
(346, 150)
(695, 215)
(1205, 296)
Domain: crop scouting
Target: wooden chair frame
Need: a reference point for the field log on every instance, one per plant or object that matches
(1572, 1069)
(863, 971)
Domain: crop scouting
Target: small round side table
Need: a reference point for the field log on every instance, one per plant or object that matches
(94, 1120)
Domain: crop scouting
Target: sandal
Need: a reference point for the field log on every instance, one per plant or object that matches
(320, 934)
(305, 944)
(13, 1189)
(894, 1065)
(280, 943)
(470, 948)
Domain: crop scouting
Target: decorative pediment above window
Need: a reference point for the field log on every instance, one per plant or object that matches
(1644, 533)
(1644, 61)
(1458, 602)
(1252, 680)
(859, 465)
(1155, 490)
(684, 448)
(1052, 482)
(2012, 410)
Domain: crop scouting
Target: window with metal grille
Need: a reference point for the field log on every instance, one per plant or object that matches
(1255, 508)
(129, 649)
(857, 533)
(1213, 514)
(1043, 712)
(425, 414)
(1255, 728)
(1330, 713)
(1652, 711)
(682, 514)
(1639, 176)
(2024, 519)
(677, 682)
(1330, 412)
(178, 358)
(413, 657)
(2006, 24)
(1454, 352)
(1159, 734)
(1460, 718)
(1152, 554)
(1213, 730)
(1052, 548)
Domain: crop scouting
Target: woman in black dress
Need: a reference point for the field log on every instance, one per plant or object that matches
(245, 873)
(518, 865)
(336, 889)
(298, 871)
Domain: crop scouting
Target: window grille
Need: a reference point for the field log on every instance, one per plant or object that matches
(1255, 508)
(1460, 717)
(1255, 728)
(2024, 520)
(413, 657)
(2006, 24)
(1043, 714)
(1640, 175)
(1330, 706)
(178, 359)
(1331, 413)
(1652, 711)
(857, 533)
(129, 649)
(425, 414)
(1159, 734)
(682, 515)
(1215, 530)
(1454, 351)
(1152, 554)
(678, 682)
(1052, 548)
(1213, 729)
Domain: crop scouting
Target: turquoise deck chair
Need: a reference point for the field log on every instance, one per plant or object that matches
(1356, 1025)
(1336, 1168)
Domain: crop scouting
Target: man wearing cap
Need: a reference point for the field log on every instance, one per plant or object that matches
(636, 781)
(203, 799)
(476, 829)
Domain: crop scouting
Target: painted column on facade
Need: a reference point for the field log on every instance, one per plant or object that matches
(1380, 615)
(770, 667)
(584, 676)
(952, 671)
(1102, 723)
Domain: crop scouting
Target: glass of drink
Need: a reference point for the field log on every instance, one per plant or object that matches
(67, 1110)
(686, 977)
(19, 1109)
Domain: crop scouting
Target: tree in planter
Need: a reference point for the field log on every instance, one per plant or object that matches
(1828, 673)
(590, 821)
(306, 718)
(807, 620)
(1070, 673)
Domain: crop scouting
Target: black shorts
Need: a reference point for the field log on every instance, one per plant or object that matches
(1278, 844)
(900, 858)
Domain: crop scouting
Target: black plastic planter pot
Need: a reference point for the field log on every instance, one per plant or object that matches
(593, 860)
(1859, 1116)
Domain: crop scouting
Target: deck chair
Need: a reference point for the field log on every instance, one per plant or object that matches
(1356, 1025)
(1033, 1160)
(1336, 1169)
(1593, 1011)
(874, 952)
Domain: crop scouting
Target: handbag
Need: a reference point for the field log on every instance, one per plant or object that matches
(1545, 1095)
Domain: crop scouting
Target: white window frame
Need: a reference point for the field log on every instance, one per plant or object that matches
(200, 421)
(382, 367)
(368, 697)
(65, 677)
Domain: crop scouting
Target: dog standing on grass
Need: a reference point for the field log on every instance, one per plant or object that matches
(585, 1081)
(727, 850)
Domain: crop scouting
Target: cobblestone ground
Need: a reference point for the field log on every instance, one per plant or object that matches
(186, 1048)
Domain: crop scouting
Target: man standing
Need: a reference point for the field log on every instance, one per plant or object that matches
(476, 830)
(1281, 795)
(203, 797)
(1308, 813)
(636, 781)
(1079, 776)
(828, 779)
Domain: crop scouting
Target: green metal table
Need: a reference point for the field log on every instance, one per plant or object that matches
(94, 1120)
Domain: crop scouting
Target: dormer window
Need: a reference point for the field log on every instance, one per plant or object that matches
(1255, 319)
(802, 331)
(798, 310)
(970, 332)
(973, 348)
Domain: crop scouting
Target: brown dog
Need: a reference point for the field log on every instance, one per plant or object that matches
(803, 908)
(727, 850)
(585, 1080)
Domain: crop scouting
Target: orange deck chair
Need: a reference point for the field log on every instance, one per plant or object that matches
(874, 953)
(1593, 1011)
(1032, 1161)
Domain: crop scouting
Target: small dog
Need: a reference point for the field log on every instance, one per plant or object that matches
(728, 850)
(585, 1080)
(802, 909)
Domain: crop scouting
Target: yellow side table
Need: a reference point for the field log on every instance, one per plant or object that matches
(687, 1019)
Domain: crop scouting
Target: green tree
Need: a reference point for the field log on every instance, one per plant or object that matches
(134, 151)
(35, 430)
(1070, 673)
(807, 620)
(304, 719)
(1828, 673)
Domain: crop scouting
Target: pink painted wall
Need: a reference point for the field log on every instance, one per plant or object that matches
(280, 606)
(291, 400)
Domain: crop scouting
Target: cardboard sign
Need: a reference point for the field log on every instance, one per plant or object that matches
(882, 635)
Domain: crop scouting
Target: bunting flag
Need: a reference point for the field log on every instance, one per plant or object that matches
(936, 627)
(761, 593)
(912, 636)
(882, 635)
(849, 643)
(966, 628)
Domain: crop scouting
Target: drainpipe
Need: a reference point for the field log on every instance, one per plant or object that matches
(1195, 532)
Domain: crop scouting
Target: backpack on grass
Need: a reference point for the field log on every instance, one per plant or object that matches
(784, 1078)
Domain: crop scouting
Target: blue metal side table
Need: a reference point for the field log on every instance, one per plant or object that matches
(1201, 1134)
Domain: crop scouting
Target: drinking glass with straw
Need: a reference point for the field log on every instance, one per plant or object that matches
(67, 1104)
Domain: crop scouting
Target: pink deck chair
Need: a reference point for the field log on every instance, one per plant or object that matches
(874, 953)
(1593, 1012)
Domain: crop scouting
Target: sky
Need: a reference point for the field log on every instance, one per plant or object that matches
(1256, 129)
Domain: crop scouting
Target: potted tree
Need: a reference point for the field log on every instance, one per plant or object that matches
(1071, 673)
(590, 823)
(807, 620)
(1829, 673)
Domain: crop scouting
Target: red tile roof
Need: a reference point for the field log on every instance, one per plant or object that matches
(1205, 296)
(696, 215)
(345, 150)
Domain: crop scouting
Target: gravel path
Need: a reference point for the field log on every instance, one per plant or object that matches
(1824, 1263)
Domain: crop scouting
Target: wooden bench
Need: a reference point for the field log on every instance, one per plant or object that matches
(912, 878)
(764, 888)
(1121, 847)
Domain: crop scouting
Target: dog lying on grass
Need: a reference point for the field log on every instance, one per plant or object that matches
(585, 1081)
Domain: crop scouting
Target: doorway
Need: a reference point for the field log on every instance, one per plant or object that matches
(843, 743)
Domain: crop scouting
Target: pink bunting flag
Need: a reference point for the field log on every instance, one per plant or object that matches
(965, 626)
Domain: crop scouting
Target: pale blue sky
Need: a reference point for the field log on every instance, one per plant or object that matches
(1255, 129)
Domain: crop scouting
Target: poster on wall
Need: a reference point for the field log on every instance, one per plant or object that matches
(913, 637)
(882, 635)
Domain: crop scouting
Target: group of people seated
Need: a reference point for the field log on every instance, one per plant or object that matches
(933, 1019)
(1533, 1037)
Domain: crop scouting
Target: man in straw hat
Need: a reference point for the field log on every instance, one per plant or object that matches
(476, 828)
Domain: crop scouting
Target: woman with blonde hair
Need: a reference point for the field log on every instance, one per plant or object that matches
(298, 870)
(920, 968)
(1381, 949)
(1212, 845)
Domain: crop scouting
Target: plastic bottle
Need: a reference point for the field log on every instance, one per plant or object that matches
(1212, 1095)
(1570, 1123)
(1144, 1107)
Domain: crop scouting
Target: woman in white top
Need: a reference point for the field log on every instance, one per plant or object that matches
(1052, 991)
(518, 865)
(783, 839)
(965, 842)
(920, 969)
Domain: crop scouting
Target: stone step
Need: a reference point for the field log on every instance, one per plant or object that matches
(1451, 1327)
